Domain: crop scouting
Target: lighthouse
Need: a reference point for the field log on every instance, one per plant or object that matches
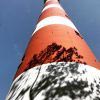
(57, 64)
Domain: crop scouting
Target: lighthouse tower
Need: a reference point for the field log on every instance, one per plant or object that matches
(57, 64)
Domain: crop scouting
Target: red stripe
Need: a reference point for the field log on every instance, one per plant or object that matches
(52, 12)
(51, 2)
(61, 35)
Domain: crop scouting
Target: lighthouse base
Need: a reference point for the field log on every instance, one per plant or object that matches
(57, 81)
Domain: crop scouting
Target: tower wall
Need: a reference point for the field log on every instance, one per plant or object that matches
(56, 57)
(55, 26)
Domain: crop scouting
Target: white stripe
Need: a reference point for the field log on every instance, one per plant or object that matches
(83, 73)
(51, 6)
(54, 20)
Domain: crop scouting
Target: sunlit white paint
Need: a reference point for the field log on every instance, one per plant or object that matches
(51, 6)
(22, 83)
(90, 74)
(54, 20)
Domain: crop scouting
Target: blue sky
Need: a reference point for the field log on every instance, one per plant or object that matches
(17, 22)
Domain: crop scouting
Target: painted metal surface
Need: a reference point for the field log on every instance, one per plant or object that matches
(55, 20)
(57, 81)
(51, 6)
(56, 53)
(56, 29)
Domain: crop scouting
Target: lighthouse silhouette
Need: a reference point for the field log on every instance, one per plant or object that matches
(57, 63)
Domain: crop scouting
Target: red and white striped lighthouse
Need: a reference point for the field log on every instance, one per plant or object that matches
(57, 64)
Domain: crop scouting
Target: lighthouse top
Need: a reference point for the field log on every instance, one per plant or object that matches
(50, 0)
